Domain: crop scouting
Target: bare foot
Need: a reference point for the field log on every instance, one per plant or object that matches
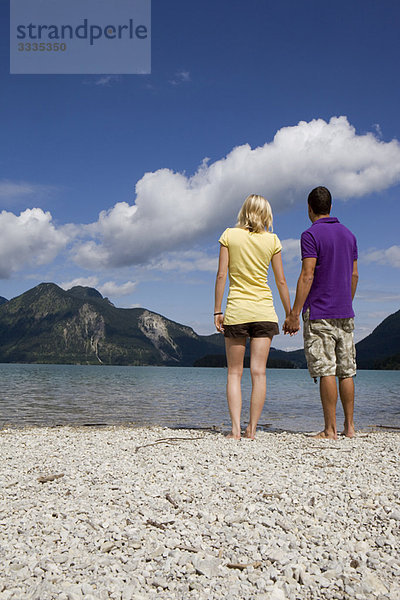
(249, 434)
(349, 432)
(324, 436)
(231, 436)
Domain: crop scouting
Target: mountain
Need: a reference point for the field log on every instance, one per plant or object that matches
(391, 363)
(381, 349)
(295, 357)
(49, 325)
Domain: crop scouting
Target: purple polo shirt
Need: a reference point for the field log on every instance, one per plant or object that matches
(335, 248)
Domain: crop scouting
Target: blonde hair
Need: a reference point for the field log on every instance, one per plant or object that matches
(255, 214)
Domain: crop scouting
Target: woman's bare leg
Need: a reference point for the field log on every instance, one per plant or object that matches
(235, 349)
(259, 350)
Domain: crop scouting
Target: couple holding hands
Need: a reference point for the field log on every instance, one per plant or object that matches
(324, 294)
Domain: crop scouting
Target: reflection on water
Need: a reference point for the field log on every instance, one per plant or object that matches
(174, 396)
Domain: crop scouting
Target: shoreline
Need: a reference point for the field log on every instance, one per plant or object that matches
(221, 429)
(133, 513)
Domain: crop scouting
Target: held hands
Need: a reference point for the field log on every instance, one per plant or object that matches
(219, 322)
(291, 325)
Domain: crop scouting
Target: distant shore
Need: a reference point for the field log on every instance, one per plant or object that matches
(139, 513)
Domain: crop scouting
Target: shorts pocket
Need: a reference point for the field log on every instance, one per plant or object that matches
(348, 325)
(320, 326)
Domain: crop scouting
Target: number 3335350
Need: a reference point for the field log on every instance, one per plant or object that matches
(42, 47)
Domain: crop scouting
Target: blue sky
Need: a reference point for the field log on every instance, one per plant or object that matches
(126, 182)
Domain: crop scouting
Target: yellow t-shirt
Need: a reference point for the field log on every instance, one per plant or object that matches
(249, 298)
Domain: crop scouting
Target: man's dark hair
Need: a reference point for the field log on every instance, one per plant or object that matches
(320, 200)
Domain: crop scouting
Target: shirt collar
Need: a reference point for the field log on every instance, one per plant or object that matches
(326, 220)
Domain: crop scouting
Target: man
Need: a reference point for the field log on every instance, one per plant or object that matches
(325, 290)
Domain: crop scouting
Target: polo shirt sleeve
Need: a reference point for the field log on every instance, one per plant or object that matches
(224, 238)
(277, 244)
(308, 246)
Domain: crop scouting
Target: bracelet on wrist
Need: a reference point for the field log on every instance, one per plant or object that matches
(218, 313)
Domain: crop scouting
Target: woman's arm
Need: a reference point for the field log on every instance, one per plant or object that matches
(280, 281)
(220, 285)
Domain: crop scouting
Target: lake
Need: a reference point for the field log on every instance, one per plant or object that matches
(179, 397)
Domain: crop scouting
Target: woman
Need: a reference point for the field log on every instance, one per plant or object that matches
(247, 250)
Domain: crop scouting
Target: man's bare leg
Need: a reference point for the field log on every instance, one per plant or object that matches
(346, 392)
(259, 350)
(235, 349)
(328, 392)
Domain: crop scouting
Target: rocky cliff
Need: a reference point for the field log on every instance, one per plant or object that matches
(50, 325)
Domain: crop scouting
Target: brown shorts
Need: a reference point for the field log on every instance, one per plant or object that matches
(258, 329)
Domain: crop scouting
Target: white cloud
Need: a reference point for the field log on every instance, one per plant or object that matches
(109, 288)
(191, 260)
(106, 80)
(16, 190)
(390, 256)
(377, 296)
(103, 81)
(83, 281)
(28, 239)
(173, 211)
(116, 290)
(378, 315)
(291, 250)
(11, 189)
(180, 77)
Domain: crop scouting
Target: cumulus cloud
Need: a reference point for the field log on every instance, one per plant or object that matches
(116, 290)
(28, 239)
(173, 210)
(390, 256)
(83, 281)
(109, 288)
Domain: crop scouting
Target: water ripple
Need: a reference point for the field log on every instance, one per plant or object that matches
(173, 396)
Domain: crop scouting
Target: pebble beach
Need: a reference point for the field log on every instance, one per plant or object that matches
(137, 514)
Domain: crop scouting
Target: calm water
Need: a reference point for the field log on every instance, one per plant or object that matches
(178, 397)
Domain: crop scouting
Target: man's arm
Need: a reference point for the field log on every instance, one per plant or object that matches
(304, 283)
(354, 280)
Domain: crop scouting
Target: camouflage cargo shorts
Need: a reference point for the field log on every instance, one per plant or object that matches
(329, 346)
